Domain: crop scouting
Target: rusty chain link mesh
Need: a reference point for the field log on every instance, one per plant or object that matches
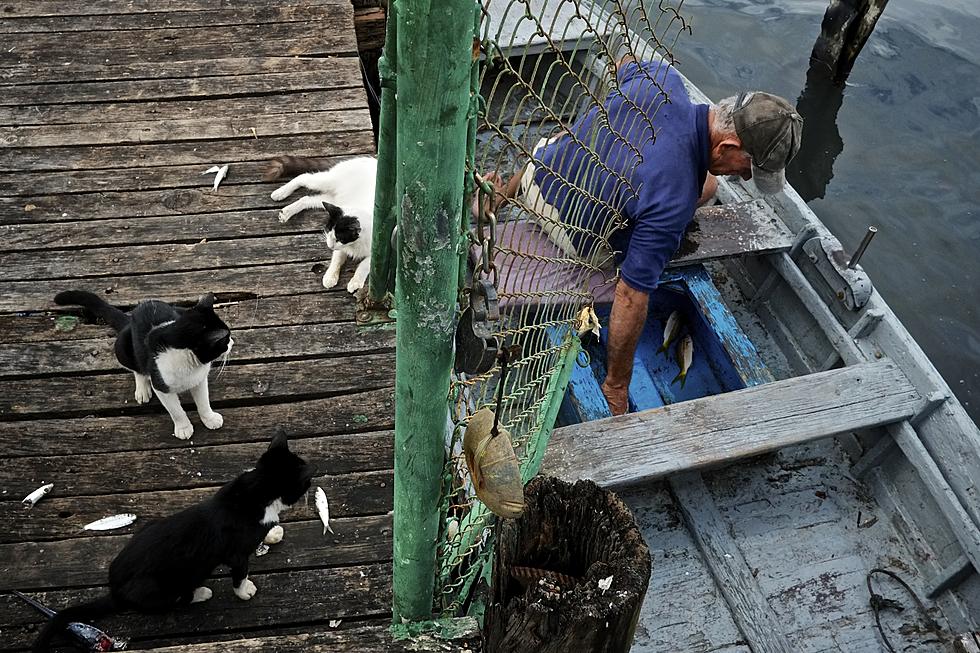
(543, 63)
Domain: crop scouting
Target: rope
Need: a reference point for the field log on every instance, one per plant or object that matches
(879, 603)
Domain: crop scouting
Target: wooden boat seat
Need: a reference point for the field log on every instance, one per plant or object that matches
(719, 429)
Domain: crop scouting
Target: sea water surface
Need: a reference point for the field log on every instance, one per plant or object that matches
(902, 151)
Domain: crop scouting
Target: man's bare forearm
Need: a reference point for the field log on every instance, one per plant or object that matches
(629, 313)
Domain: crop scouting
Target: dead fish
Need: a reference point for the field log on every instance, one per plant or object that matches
(218, 172)
(86, 637)
(587, 321)
(493, 466)
(671, 329)
(31, 499)
(685, 352)
(323, 509)
(111, 523)
(261, 550)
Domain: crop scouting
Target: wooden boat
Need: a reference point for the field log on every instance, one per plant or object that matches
(813, 443)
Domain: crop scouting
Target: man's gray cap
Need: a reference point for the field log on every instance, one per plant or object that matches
(770, 130)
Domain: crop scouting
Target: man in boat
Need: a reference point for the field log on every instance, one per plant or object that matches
(610, 192)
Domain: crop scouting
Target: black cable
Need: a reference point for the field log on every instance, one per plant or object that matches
(879, 602)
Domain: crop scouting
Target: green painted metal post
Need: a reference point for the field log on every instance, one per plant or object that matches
(434, 54)
(384, 194)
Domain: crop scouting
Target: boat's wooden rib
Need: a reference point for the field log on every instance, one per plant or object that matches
(714, 430)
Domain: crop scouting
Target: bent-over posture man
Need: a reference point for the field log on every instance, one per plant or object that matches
(652, 161)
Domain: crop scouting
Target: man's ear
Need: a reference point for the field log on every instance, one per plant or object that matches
(730, 143)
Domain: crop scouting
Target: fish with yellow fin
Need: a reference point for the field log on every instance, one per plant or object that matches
(671, 329)
(685, 353)
(493, 466)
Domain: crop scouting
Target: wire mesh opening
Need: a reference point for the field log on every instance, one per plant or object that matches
(547, 71)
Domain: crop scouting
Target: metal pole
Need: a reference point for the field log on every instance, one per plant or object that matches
(863, 246)
(384, 194)
(435, 39)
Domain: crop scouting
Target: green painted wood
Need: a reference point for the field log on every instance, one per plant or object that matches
(433, 77)
(384, 194)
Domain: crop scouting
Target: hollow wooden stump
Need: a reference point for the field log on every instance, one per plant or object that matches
(572, 570)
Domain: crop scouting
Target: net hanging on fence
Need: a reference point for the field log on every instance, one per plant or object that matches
(546, 68)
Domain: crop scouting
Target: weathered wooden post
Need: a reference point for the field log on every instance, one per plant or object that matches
(845, 29)
(569, 574)
(434, 54)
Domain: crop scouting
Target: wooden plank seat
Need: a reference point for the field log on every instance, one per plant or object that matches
(709, 431)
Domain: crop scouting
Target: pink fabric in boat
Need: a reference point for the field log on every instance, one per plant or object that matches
(528, 262)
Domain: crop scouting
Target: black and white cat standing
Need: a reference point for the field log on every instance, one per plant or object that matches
(346, 193)
(167, 562)
(169, 349)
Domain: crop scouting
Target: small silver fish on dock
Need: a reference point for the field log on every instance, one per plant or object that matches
(671, 329)
(31, 499)
(685, 353)
(219, 172)
(111, 523)
(261, 550)
(323, 509)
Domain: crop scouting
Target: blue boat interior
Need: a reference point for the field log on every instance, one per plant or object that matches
(724, 358)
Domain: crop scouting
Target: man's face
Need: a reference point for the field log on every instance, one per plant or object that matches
(728, 158)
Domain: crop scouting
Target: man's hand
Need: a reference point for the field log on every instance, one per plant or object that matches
(629, 314)
(616, 397)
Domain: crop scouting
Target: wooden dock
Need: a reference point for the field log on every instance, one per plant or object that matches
(110, 111)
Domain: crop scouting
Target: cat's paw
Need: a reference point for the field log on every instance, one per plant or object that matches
(274, 536)
(202, 594)
(284, 217)
(143, 393)
(183, 431)
(280, 194)
(212, 420)
(246, 590)
(354, 285)
(330, 280)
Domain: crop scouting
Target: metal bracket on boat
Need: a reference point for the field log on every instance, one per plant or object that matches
(851, 284)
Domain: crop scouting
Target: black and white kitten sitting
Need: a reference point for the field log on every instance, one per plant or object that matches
(169, 349)
(167, 562)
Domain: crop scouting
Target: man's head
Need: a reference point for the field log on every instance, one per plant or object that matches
(754, 136)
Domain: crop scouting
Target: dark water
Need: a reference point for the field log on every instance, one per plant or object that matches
(908, 136)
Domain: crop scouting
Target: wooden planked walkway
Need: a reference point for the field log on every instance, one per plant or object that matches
(110, 110)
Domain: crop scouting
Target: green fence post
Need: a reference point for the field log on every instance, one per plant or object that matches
(384, 194)
(434, 53)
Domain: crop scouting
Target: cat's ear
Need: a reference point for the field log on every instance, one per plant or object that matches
(206, 301)
(279, 441)
(334, 213)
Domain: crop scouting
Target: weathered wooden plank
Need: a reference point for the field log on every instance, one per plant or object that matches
(315, 308)
(263, 280)
(143, 90)
(733, 576)
(287, 102)
(277, 40)
(731, 230)
(283, 599)
(180, 129)
(145, 259)
(237, 384)
(83, 561)
(55, 517)
(713, 430)
(41, 71)
(174, 469)
(464, 638)
(369, 25)
(201, 201)
(251, 345)
(348, 137)
(188, 229)
(372, 410)
(253, 15)
(117, 8)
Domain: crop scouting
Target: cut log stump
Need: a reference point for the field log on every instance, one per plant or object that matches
(571, 571)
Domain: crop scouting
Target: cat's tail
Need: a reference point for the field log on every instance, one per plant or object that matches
(95, 305)
(290, 166)
(84, 612)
